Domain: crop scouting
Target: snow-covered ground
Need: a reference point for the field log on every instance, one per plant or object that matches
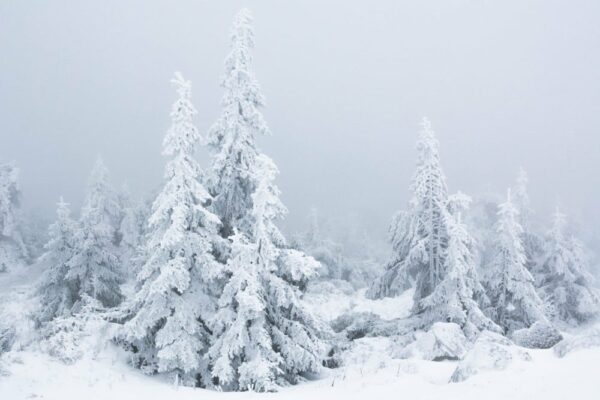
(370, 369)
(374, 374)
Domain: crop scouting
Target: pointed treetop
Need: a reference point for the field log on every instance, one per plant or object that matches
(62, 203)
(521, 198)
(242, 32)
(459, 202)
(63, 208)
(182, 136)
(184, 87)
(559, 222)
(99, 171)
(427, 144)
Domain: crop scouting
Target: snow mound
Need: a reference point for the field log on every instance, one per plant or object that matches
(584, 341)
(369, 358)
(490, 352)
(443, 341)
(541, 335)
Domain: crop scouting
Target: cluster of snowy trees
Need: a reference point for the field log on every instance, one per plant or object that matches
(217, 288)
(204, 286)
(503, 277)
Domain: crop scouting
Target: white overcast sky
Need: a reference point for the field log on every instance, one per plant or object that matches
(505, 83)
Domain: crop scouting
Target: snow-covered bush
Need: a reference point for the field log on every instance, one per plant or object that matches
(490, 351)
(69, 338)
(355, 325)
(7, 337)
(540, 335)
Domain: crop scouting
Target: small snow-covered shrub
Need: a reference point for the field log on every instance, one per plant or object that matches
(335, 356)
(7, 338)
(584, 341)
(355, 325)
(490, 351)
(541, 335)
(71, 337)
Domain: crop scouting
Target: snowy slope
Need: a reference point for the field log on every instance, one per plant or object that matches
(370, 371)
(35, 375)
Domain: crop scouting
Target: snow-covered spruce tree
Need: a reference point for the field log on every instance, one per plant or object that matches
(457, 296)
(94, 269)
(521, 199)
(532, 243)
(102, 196)
(56, 294)
(9, 198)
(176, 284)
(131, 232)
(12, 248)
(232, 138)
(563, 279)
(514, 301)
(263, 335)
(482, 218)
(419, 236)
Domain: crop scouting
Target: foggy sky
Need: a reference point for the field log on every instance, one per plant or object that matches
(505, 84)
